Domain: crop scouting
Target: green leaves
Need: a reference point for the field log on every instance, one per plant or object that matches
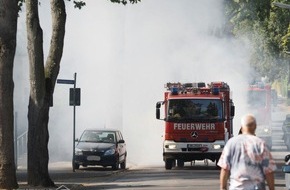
(79, 4)
(124, 2)
(267, 28)
(20, 4)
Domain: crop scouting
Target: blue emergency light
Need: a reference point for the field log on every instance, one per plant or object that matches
(215, 90)
(174, 90)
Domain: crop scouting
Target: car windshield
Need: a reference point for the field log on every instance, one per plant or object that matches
(98, 136)
(194, 109)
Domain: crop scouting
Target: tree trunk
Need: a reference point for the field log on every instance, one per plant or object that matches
(8, 23)
(37, 145)
(42, 82)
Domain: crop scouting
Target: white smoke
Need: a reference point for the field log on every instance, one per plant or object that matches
(123, 56)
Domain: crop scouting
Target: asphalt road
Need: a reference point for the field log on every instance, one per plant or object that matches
(197, 177)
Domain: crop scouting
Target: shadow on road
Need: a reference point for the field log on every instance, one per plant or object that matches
(95, 168)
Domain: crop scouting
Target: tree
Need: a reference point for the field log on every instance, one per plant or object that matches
(8, 23)
(279, 27)
(42, 83)
(266, 27)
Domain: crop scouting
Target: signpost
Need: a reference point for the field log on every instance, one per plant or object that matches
(74, 101)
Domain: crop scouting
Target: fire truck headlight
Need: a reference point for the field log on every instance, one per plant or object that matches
(172, 146)
(266, 130)
(217, 146)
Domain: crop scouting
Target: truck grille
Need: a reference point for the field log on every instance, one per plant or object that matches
(199, 149)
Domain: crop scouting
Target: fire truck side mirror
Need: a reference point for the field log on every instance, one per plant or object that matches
(157, 113)
(158, 105)
(232, 111)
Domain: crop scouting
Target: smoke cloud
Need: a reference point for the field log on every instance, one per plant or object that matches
(123, 56)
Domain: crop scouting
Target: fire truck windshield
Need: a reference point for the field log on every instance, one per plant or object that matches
(194, 109)
(257, 99)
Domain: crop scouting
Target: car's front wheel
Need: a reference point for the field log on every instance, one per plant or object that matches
(116, 165)
(123, 164)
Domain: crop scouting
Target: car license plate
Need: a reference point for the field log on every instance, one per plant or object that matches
(93, 158)
(194, 145)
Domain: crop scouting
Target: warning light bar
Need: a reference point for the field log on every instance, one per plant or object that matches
(196, 88)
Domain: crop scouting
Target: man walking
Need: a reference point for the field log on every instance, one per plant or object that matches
(246, 160)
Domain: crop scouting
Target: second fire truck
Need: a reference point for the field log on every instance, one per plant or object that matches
(198, 121)
(259, 103)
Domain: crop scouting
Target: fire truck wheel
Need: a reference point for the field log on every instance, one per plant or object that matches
(287, 141)
(270, 147)
(216, 163)
(77, 166)
(180, 163)
(168, 164)
(288, 147)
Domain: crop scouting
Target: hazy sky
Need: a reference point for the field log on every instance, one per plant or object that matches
(123, 56)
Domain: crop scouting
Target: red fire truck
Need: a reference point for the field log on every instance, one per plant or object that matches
(259, 103)
(198, 121)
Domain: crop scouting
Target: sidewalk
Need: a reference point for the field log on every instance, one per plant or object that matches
(282, 105)
(62, 175)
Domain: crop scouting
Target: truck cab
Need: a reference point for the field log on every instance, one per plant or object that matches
(198, 121)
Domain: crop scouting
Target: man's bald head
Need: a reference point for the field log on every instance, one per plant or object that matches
(249, 124)
(248, 120)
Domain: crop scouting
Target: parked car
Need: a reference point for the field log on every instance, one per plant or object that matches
(100, 147)
(286, 170)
